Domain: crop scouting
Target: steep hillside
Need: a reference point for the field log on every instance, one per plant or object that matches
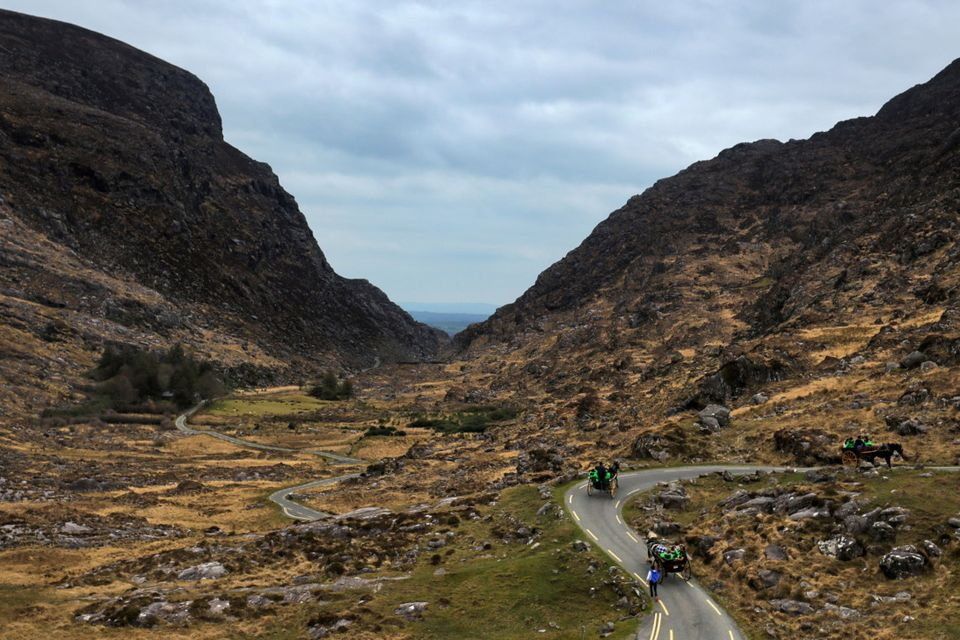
(770, 267)
(126, 216)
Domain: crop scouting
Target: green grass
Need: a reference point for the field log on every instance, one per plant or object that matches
(517, 591)
(261, 406)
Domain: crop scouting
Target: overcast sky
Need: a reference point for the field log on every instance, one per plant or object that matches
(450, 151)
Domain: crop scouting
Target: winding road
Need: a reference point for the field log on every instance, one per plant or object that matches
(280, 497)
(685, 610)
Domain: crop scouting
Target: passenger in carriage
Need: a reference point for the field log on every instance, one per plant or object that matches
(601, 472)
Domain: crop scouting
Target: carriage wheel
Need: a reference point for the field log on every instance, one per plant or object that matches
(589, 488)
(849, 458)
(613, 488)
(686, 574)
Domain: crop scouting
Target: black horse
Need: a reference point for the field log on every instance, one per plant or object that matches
(884, 451)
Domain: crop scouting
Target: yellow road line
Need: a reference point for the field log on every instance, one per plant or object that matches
(575, 516)
(730, 631)
(655, 629)
(570, 499)
(689, 584)
(590, 533)
(637, 576)
(615, 556)
(618, 519)
(671, 634)
(617, 504)
(664, 607)
(713, 606)
(633, 537)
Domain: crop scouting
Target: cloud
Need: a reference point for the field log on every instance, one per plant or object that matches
(451, 151)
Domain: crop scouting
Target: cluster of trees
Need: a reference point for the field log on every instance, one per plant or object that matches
(329, 388)
(130, 375)
(472, 420)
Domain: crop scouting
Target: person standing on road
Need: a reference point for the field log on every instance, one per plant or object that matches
(653, 579)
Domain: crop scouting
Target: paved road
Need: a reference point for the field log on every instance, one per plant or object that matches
(281, 497)
(296, 510)
(685, 611)
(181, 423)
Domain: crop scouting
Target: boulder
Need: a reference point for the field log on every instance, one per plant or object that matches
(702, 546)
(666, 528)
(810, 513)
(766, 579)
(792, 607)
(775, 552)
(931, 551)
(902, 562)
(760, 504)
(810, 447)
(759, 398)
(719, 413)
(709, 425)
(841, 547)
(791, 503)
(72, 528)
(882, 532)
(673, 497)
(733, 555)
(910, 428)
(411, 610)
(204, 571)
(914, 360)
(844, 613)
(819, 475)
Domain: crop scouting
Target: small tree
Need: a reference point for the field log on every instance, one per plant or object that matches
(329, 388)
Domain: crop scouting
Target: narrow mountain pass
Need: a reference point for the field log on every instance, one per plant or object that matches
(685, 610)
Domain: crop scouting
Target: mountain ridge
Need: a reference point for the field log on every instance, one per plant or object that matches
(120, 157)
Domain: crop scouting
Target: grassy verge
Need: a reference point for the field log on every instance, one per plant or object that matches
(509, 590)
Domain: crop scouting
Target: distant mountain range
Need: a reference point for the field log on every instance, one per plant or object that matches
(472, 308)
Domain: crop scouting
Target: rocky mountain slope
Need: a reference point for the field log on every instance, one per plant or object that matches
(127, 216)
(808, 270)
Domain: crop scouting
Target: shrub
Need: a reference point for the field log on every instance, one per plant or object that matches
(131, 375)
(329, 388)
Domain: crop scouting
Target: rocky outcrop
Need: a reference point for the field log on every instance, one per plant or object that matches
(118, 158)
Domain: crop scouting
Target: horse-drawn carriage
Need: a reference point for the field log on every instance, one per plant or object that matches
(851, 456)
(667, 557)
(603, 480)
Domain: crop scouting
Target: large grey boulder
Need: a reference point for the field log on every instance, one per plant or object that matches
(673, 497)
(914, 360)
(205, 571)
(717, 412)
(910, 428)
(902, 562)
(810, 513)
(882, 532)
(760, 503)
(793, 607)
(775, 552)
(411, 610)
(733, 555)
(841, 547)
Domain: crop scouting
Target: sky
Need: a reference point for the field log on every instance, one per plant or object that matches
(451, 151)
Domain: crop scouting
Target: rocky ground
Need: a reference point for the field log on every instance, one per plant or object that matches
(832, 553)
